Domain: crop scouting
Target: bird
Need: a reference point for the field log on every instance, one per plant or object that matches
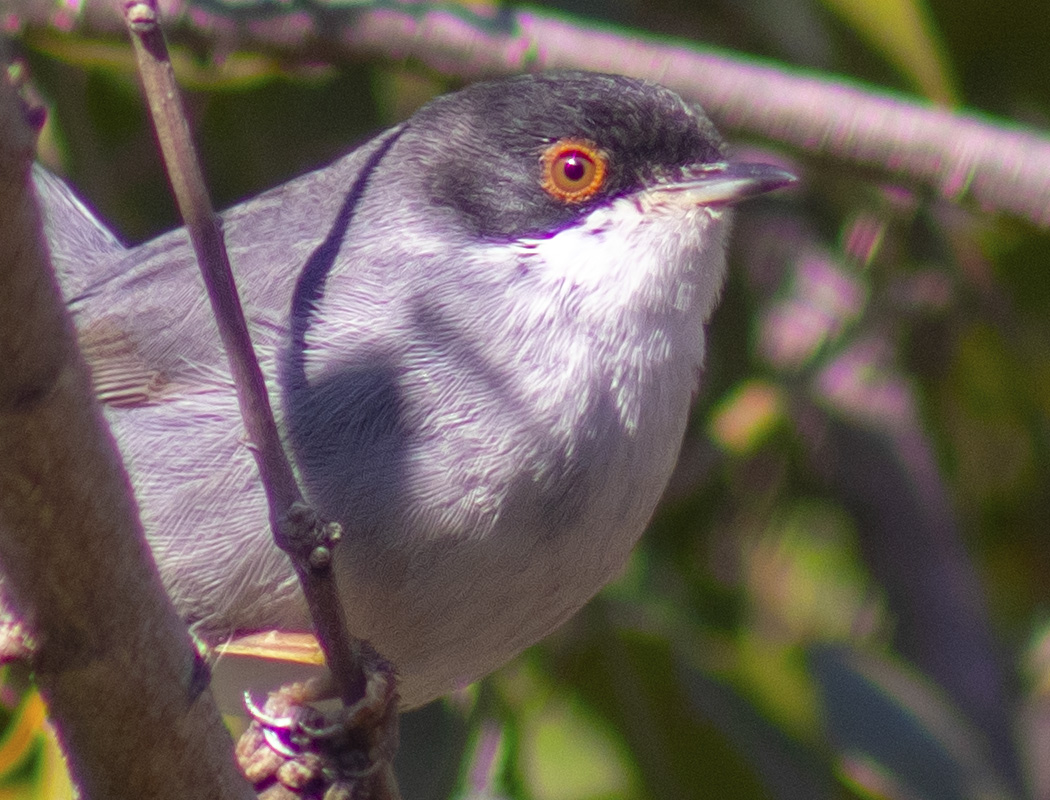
(483, 329)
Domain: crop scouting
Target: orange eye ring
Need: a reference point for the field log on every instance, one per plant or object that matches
(573, 170)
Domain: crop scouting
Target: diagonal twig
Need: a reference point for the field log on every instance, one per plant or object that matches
(297, 528)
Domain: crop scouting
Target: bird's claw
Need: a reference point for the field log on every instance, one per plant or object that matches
(258, 714)
(297, 728)
(280, 743)
(292, 743)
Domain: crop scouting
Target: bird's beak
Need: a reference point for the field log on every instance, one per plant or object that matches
(727, 183)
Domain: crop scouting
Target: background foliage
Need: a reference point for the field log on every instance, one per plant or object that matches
(760, 644)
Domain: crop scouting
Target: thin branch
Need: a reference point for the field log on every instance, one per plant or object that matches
(1001, 166)
(286, 501)
(297, 529)
(124, 685)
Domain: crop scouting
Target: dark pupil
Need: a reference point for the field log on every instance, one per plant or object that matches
(574, 167)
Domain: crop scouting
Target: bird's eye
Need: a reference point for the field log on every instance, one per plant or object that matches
(573, 170)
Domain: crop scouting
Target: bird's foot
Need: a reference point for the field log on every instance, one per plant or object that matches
(294, 750)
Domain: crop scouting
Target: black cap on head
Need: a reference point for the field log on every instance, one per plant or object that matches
(479, 152)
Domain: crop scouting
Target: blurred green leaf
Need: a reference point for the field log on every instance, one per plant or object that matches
(789, 769)
(570, 754)
(631, 681)
(903, 31)
(897, 734)
(32, 766)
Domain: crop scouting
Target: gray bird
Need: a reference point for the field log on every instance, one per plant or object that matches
(484, 328)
